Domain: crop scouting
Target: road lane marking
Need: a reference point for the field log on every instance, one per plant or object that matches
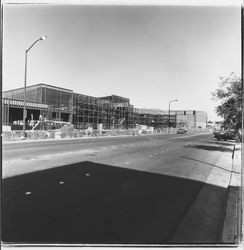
(27, 193)
(61, 182)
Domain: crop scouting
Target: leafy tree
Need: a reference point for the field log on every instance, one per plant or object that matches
(229, 96)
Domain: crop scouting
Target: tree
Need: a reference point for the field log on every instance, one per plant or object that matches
(229, 96)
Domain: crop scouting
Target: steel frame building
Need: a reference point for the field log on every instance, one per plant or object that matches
(60, 104)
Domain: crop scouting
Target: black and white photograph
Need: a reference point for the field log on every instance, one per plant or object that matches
(122, 123)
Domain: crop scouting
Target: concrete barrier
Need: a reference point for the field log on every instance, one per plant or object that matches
(6, 128)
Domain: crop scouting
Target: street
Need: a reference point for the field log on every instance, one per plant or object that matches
(152, 189)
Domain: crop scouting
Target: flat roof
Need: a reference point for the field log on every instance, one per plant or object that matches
(41, 85)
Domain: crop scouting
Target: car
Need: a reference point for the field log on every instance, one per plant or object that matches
(181, 131)
(216, 132)
(228, 135)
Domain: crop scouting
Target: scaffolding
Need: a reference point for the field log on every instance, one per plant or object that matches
(109, 112)
(120, 112)
(154, 118)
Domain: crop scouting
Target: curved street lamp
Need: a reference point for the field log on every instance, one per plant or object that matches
(169, 111)
(26, 52)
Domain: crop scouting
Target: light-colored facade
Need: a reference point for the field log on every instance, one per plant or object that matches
(191, 119)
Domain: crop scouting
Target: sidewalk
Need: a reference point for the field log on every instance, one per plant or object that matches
(232, 232)
(215, 215)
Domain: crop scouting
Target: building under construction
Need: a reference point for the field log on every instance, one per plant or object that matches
(109, 112)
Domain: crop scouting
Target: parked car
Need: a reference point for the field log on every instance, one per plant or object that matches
(181, 131)
(228, 135)
(216, 132)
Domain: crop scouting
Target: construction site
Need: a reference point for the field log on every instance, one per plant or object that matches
(56, 106)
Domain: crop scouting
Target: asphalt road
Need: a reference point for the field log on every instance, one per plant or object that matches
(160, 189)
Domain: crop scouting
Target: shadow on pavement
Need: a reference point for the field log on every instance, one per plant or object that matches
(94, 203)
(223, 143)
(210, 148)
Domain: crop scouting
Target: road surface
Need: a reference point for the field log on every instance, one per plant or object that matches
(153, 189)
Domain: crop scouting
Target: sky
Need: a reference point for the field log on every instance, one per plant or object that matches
(150, 54)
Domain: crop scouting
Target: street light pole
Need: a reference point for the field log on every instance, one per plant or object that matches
(24, 109)
(169, 112)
